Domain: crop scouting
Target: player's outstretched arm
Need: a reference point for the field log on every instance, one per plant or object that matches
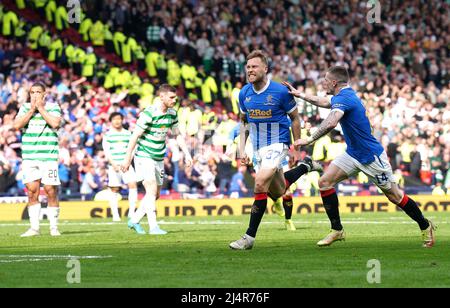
(295, 124)
(182, 144)
(325, 127)
(319, 101)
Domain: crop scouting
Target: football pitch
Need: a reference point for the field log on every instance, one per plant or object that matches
(195, 254)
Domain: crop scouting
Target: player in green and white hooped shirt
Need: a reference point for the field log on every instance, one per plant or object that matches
(150, 136)
(39, 122)
(115, 144)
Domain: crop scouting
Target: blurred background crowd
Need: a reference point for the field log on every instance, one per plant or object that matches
(108, 56)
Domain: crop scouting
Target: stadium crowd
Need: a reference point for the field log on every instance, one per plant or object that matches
(400, 67)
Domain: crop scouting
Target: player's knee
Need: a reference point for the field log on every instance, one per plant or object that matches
(395, 196)
(52, 194)
(325, 183)
(33, 198)
(394, 193)
(260, 187)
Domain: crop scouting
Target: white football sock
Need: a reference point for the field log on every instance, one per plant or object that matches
(114, 204)
(53, 216)
(151, 211)
(139, 213)
(132, 199)
(33, 212)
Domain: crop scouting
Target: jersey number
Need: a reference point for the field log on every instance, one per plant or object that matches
(381, 178)
(53, 174)
(272, 155)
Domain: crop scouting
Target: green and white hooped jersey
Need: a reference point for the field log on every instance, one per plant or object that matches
(115, 144)
(39, 140)
(155, 124)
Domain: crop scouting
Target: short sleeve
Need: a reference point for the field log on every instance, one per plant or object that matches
(105, 144)
(145, 119)
(175, 121)
(340, 104)
(22, 111)
(55, 110)
(288, 102)
(241, 101)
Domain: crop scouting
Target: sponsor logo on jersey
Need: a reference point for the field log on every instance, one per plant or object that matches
(260, 114)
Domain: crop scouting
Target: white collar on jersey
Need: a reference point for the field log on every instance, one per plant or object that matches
(263, 89)
(346, 87)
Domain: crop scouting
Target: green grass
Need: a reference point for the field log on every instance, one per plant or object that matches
(195, 254)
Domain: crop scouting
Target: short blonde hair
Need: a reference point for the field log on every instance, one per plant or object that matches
(258, 54)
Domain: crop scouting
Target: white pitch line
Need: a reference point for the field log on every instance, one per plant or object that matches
(38, 258)
(55, 256)
(226, 223)
(25, 260)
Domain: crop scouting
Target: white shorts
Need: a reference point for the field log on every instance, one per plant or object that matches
(148, 169)
(115, 179)
(271, 157)
(379, 171)
(46, 171)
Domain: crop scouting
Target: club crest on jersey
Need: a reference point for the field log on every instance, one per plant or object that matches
(269, 101)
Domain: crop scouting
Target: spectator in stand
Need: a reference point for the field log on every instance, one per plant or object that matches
(238, 188)
(400, 68)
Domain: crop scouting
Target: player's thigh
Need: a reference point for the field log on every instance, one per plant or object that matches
(33, 189)
(52, 194)
(150, 186)
(263, 179)
(50, 175)
(270, 160)
(380, 173)
(278, 185)
(151, 173)
(129, 176)
(31, 172)
(340, 169)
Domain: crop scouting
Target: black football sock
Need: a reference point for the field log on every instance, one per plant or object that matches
(409, 206)
(271, 197)
(288, 204)
(331, 204)
(258, 209)
(293, 175)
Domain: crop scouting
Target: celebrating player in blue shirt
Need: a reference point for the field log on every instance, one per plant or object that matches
(265, 105)
(364, 153)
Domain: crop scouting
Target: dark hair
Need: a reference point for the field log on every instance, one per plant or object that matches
(38, 84)
(166, 88)
(259, 54)
(115, 114)
(340, 73)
